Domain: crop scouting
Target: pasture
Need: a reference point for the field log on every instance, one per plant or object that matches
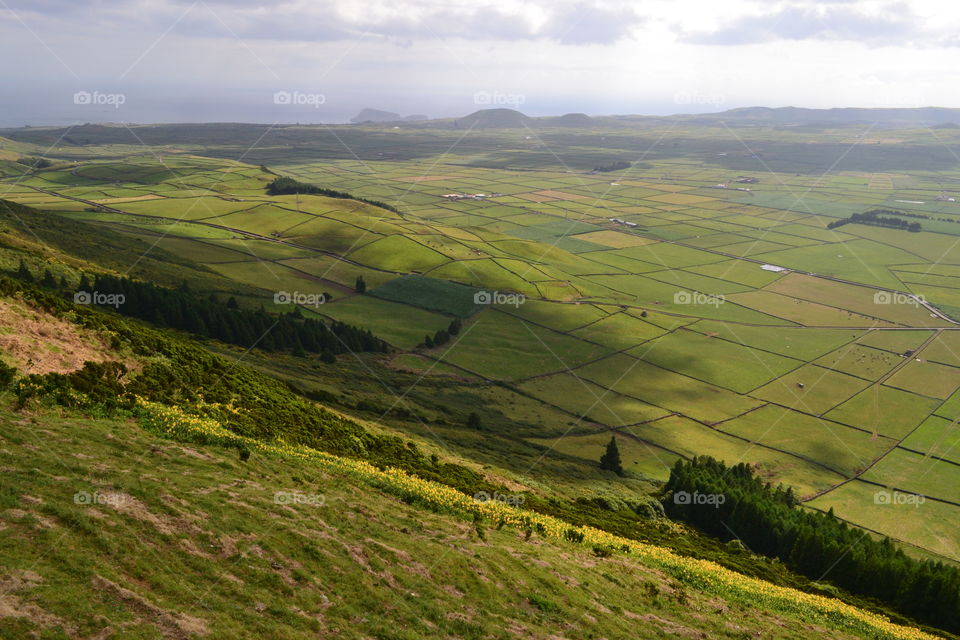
(635, 301)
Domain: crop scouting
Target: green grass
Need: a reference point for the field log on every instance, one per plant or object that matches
(429, 293)
(507, 244)
(687, 437)
(930, 525)
(926, 378)
(408, 329)
(937, 437)
(635, 378)
(398, 253)
(821, 390)
(500, 346)
(198, 544)
(720, 362)
(858, 260)
(562, 317)
(915, 473)
(884, 410)
(800, 343)
(857, 299)
(589, 401)
(860, 361)
(619, 330)
(896, 341)
(944, 349)
(810, 314)
(838, 447)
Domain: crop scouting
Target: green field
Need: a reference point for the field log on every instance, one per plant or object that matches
(671, 332)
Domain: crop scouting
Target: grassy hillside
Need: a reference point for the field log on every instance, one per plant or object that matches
(101, 411)
(593, 299)
(110, 529)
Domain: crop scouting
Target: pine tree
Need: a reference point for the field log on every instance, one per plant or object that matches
(455, 327)
(473, 420)
(23, 273)
(48, 280)
(361, 286)
(610, 460)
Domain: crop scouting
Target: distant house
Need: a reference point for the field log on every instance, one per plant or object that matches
(774, 268)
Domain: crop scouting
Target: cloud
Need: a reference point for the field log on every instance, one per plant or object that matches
(568, 23)
(584, 24)
(893, 25)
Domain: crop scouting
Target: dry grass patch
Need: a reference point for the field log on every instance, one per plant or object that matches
(37, 342)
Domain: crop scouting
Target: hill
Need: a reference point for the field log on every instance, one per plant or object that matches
(162, 521)
(134, 535)
(609, 321)
(569, 120)
(375, 115)
(886, 117)
(494, 119)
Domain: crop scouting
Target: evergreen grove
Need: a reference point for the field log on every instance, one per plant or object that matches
(873, 218)
(818, 545)
(287, 186)
(182, 309)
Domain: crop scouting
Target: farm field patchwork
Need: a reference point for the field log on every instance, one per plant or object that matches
(686, 318)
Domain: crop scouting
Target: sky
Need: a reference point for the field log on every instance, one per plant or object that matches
(311, 61)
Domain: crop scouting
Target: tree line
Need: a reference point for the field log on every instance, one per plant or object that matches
(442, 336)
(288, 186)
(873, 218)
(228, 322)
(617, 165)
(766, 519)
